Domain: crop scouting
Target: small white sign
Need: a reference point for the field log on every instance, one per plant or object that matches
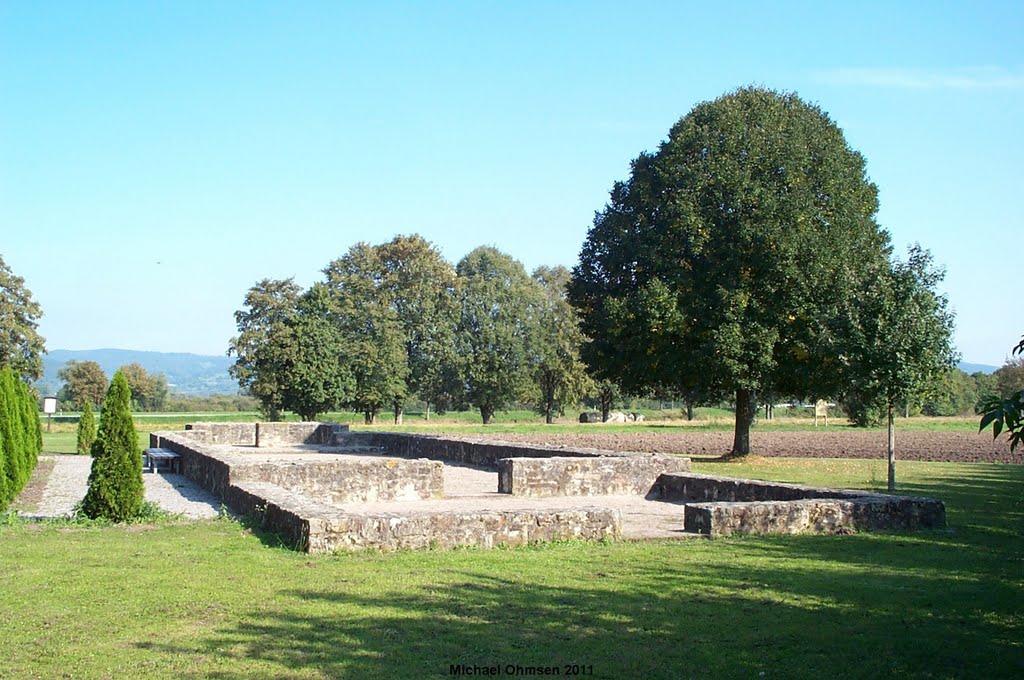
(49, 404)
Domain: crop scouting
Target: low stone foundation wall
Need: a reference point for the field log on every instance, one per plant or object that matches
(270, 435)
(721, 506)
(604, 476)
(819, 516)
(317, 528)
(471, 451)
(708, 488)
(229, 434)
(266, 435)
(385, 479)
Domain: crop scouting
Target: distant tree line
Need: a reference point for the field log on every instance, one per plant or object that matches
(395, 323)
(86, 383)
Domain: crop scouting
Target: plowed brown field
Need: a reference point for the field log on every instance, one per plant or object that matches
(832, 442)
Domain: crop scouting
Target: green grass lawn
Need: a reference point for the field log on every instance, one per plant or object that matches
(213, 599)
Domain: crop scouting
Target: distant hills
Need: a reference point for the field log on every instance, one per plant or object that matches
(969, 368)
(195, 374)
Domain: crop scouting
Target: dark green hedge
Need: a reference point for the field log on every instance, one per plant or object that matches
(21, 438)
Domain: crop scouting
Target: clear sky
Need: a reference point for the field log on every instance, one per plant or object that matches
(158, 158)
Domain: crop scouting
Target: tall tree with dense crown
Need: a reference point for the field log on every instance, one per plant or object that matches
(497, 330)
(561, 375)
(84, 382)
(901, 334)
(21, 346)
(372, 330)
(420, 285)
(318, 377)
(265, 343)
(149, 390)
(722, 264)
(115, 481)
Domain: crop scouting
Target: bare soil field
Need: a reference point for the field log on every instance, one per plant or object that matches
(833, 442)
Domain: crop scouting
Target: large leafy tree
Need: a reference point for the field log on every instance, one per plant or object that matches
(265, 344)
(21, 346)
(497, 332)
(317, 377)
(723, 263)
(373, 333)
(84, 382)
(901, 332)
(149, 391)
(561, 375)
(420, 285)
(115, 481)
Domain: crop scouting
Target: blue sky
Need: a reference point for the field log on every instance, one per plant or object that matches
(158, 158)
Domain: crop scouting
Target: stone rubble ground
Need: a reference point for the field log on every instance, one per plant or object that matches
(173, 492)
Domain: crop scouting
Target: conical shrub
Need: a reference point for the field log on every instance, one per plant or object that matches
(86, 429)
(115, 482)
(11, 425)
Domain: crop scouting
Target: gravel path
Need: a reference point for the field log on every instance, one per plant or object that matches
(172, 492)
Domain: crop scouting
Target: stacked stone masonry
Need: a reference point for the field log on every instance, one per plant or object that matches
(304, 499)
(603, 476)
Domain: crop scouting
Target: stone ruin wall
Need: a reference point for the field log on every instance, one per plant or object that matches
(298, 499)
(722, 506)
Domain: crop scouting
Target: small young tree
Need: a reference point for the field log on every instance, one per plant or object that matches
(86, 429)
(902, 339)
(115, 482)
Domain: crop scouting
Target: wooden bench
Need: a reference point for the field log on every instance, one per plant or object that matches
(151, 458)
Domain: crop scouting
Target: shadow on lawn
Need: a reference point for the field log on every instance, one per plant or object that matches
(928, 604)
(738, 620)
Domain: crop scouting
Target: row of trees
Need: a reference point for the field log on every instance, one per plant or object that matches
(395, 322)
(21, 439)
(86, 383)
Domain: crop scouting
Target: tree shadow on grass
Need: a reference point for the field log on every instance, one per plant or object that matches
(667, 622)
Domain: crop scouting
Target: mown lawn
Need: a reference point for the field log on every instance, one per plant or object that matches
(213, 599)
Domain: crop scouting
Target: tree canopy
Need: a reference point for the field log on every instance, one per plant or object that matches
(724, 263)
(265, 343)
(149, 391)
(497, 331)
(21, 346)
(84, 382)
(900, 338)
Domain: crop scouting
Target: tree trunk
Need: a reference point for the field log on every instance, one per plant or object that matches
(548, 411)
(605, 408)
(428, 410)
(892, 449)
(370, 417)
(486, 413)
(275, 414)
(689, 410)
(398, 414)
(745, 406)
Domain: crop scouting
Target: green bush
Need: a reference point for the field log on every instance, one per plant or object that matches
(115, 482)
(20, 437)
(86, 430)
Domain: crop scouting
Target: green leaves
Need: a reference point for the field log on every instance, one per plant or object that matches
(115, 481)
(21, 346)
(725, 259)
(1006, 413)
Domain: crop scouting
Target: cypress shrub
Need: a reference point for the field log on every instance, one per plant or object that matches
(4, 497)
(11, 425)
(86, 429)
(30, 423)
(115, 482)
